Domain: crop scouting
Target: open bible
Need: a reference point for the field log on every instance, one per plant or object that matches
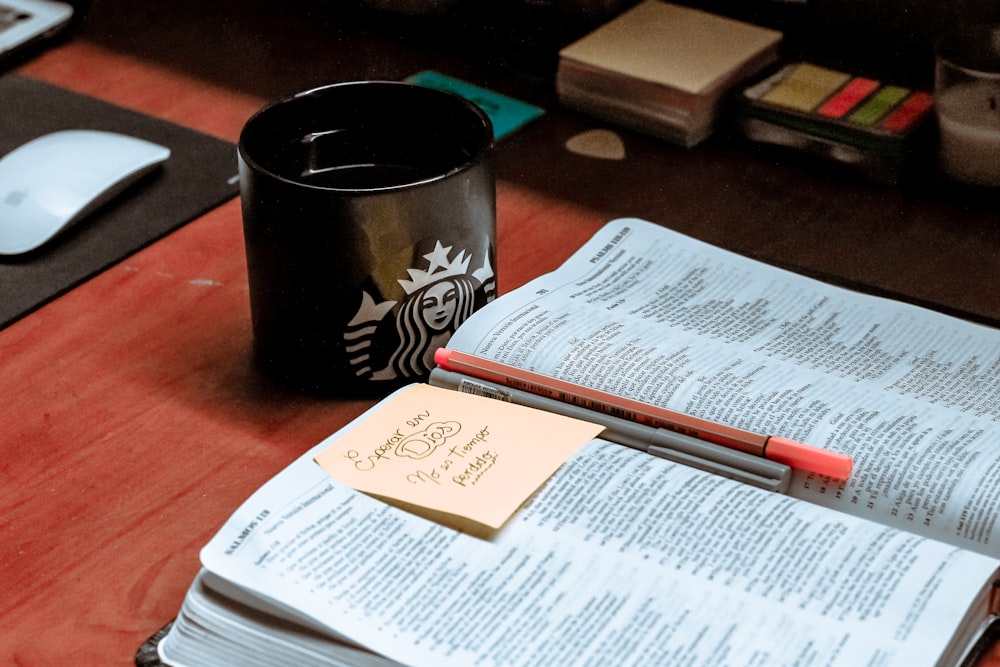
(621, 558)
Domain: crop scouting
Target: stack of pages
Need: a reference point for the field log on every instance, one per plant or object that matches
(622, 558)
(663, 69)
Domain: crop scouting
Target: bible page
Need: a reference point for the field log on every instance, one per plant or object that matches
(912, 395)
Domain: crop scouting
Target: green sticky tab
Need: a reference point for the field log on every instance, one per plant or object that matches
(506, 113)
(879, 105)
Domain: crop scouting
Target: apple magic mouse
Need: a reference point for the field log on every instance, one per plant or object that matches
(58, 179)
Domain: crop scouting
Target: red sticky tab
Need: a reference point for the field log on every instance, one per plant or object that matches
(911, 110)
(847, 97)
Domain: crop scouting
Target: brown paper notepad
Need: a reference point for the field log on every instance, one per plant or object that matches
(663, 68)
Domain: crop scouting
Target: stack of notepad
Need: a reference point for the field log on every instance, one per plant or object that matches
(663, 69)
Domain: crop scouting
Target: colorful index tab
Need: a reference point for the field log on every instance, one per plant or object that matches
(907, 114)
(847, 97)
(805, 87)
(878, 105)
(830, 95)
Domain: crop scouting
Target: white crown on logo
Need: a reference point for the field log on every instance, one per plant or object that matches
(439, 265)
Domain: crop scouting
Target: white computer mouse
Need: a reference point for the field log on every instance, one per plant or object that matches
(58, 179)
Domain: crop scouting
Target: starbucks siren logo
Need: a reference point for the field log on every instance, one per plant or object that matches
(438, 299)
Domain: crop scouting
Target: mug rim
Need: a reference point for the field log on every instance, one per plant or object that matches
(481, 149)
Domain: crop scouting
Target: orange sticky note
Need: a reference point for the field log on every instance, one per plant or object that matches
(463, 460)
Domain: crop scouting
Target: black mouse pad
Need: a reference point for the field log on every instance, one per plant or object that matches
(199, 175)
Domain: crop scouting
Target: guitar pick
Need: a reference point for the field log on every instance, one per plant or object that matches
(600, 144)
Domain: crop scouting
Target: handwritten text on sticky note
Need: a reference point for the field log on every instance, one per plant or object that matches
(454, 454)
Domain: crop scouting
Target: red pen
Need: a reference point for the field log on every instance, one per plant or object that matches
(783, 450)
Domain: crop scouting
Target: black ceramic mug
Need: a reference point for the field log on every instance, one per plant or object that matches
(369, 215)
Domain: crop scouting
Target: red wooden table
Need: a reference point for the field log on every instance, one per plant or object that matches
(133, 420)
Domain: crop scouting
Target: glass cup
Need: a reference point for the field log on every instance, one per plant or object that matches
(967, 103)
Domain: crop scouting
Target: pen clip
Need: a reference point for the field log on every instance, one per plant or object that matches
(740, 466)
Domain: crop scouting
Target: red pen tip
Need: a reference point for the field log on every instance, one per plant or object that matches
(441, 356)
(806, 457)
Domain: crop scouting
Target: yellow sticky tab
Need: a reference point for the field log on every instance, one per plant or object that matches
(462, 460)
(806, 87)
